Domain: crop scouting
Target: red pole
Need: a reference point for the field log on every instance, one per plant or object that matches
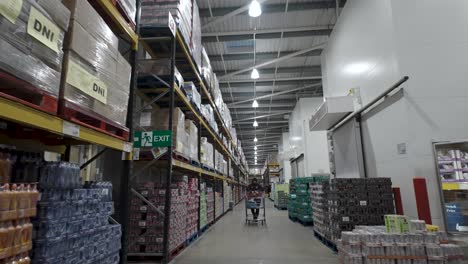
(398, 201)
(422, 200)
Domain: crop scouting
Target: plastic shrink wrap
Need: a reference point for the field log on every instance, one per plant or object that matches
(207, 153)
(193, 94)
(97, 77)
(25, 53)
(192, 139)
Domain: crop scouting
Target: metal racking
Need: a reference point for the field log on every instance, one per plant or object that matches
(45, 131)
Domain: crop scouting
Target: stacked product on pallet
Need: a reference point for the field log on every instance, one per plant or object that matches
(376, 245)
(196, 36)
(210, 200)
(206, 153)
(158, 119)
(227, 195)
(208, 114)
(31, 64)
(160, 67)
(358, 201)
(72, 223)
(206, 69)
(319, 202)
(191, 131)
(192, 208)
(299, 208)
(219, 210)
(193, 94)
(147, 225)
(281, 196)
(154, 14)
(96, 77)
(203, 206)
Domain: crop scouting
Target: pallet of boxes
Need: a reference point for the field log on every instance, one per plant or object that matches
(399, 241)
(281, 196)
(299, 208)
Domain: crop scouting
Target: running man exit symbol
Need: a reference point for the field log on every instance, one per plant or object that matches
(147, 139)
(158, 138)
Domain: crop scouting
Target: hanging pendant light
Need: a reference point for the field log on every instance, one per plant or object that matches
(255, 123)
(255, 139)
(255, 104)
(255, 75)
(255, 147)
(255, 152)
(255, 9)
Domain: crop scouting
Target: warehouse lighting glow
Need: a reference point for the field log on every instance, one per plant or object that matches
(356, 68)
(255, 104)
(255, 139)
(255, 148)
(255, 75)
(255, 10)
(255, 123)
(255, 152)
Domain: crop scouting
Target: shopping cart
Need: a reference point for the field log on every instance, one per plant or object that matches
(255, 201)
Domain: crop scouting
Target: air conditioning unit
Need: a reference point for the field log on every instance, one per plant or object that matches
(330, 112)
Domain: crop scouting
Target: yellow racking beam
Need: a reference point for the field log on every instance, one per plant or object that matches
(19, 113)
(115, 15)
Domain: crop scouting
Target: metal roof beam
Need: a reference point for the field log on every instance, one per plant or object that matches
(268, 34)
(261, 116)
(261, 82)
(282, 58)
(227, 15)
(275, 94)
(261, 55)
(265, 122)
(316, 70)
(260, 105)
(270, 8)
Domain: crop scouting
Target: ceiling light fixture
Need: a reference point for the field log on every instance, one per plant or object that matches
(255, 148)
(255, 123)
(255, 104)
(255, 75)
(255, 152)
(255, 9)
(255, 139)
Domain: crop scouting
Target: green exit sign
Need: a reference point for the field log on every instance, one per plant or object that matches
(158, 138)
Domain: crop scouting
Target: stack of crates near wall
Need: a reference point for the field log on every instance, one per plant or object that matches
(227, 195)
(30, 66)
(376, 245)
(203, 206)
(319, 202)
(299, 204)
(154, 14)
(219, 204)
(358, 201)
(192, 208)
(210, 205)
(147, 225)
(192, 139)
(281, 193)
(158, 119)
(72, 220)
(96, 77)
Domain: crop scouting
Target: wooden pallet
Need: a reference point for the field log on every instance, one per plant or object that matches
(298, 220)
(25, 93)
(87, 118)
(192, 239)
(330, 244)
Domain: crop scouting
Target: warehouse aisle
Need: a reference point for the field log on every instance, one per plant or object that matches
(282, 241)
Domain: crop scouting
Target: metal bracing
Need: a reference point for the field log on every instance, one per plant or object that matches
(270, 80)
(271, 8)
(278, 93)
(261, 116)
(267, 34)
(261, 55)
(260, 105)
(282, 58)
(312, 70)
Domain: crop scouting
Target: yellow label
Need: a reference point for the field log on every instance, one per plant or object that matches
(86, 82)
(42, 29)
(11, 9)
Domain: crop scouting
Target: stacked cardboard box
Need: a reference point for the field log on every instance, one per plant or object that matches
(372, 244)
(203, 209)
(299, 202)
(219, 204)
(160, 67)
(192, 208)
(193, 94)
(207, 153)
(31, 51)
(154, 13)
(319, 202)
(147, 225)
(192, 139)
(210, 199)
(96, 76)
(227, 195)
(358, 201)
(281, 195)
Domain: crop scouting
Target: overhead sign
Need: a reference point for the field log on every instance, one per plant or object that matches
(148, 139)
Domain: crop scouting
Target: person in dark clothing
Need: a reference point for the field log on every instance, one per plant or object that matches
(255, 187)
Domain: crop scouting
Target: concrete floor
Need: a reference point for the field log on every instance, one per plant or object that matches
(230, 241)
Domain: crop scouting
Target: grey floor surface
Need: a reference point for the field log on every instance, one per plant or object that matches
(230, 241)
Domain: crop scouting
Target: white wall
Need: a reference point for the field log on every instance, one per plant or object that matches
(313, 145)
(374, 44)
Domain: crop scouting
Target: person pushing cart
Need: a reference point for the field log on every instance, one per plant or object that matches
(255, 201)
